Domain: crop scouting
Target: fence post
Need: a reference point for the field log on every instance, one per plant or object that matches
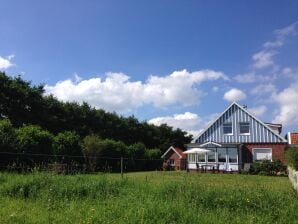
(121, 164)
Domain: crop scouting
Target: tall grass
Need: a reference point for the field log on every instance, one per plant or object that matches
(152, 197)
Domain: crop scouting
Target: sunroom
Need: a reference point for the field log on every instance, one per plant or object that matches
(212, 156)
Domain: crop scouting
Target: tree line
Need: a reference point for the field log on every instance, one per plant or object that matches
(33, 123)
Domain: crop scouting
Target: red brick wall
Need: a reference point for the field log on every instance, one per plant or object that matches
(179, 163)
(294, 138)
(278, 151)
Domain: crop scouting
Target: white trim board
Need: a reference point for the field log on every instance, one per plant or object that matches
(171, 148)
(211, 143)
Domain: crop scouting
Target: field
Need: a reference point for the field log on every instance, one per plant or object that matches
(146, 197)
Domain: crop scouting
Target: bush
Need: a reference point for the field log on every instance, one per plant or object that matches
(292, 157)
(92, 146)
(34, 139)
(267, 167)
(7, 136)
(67, 143)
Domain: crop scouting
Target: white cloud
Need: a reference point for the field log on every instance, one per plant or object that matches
(273, 44)
(77, 78)
(286, 31)
(251, 78)
(258, 111)
(264, 89)
(234, 95)
(117, 93)
(6, 63)
(290, 72)
(288, 106)
(263, 59)
(215, 88)
(189, 122)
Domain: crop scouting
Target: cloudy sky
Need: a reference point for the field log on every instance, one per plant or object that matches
(174, 62)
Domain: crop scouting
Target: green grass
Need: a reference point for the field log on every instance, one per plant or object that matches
(146, 197)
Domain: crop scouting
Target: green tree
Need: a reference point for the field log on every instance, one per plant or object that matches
(67, 143)
(137, 150)
(7, 136)
(92, 145)
(33, 139)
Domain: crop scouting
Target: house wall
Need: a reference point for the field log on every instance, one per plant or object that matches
(294, 138)
(278, 151)
(235, 115)
(179, 163)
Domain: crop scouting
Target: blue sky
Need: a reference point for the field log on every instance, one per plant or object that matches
(179, 62)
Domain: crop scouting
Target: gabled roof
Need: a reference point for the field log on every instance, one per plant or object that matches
(244, 110)
(211, 143)
(176, 150)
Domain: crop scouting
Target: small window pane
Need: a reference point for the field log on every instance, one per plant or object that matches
(191, 158)
(262, 154)
(233, 155)
(244, 128)
(211, 155)
(227, 128)
(201, 157)
(222, 155)
(172, 162)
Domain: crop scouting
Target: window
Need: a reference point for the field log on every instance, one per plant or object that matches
(244, 128)
(227, 128)
(262, 154)
(211, 155)
(233, 155)
(222, 155)
(191, 158)
(172, 162)
(201, 157)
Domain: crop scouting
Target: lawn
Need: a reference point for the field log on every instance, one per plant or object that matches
(146, 197)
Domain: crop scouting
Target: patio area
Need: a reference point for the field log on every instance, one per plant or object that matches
(215, 158)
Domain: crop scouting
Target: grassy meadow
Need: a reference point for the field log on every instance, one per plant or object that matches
(146, 197)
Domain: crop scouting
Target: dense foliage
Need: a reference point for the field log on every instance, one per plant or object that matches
(267, 167)
(146, 197)
(42, 129)
(292, 157)
(23, 103)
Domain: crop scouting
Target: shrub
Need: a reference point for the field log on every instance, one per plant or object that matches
(292, 157)
(67, 143)
(34, 139)
(7, 136)
(92, 146)
(267, 167)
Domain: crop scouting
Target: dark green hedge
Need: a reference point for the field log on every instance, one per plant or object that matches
(267, 167)
(292, 157)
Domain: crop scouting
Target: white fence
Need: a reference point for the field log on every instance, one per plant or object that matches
(293, 176)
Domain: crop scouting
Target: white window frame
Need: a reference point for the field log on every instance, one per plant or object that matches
(247, 133)
(224, 129)
(254, 149)
(215, 156)
(170, 162)
(228, 156)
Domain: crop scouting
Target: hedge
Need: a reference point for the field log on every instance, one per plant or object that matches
(292, 157)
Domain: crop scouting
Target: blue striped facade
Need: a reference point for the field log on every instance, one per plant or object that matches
(259, 133)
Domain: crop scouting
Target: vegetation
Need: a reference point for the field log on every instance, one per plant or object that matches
(267, 167)
(152, 197)
(22, 103)
(292, 157)
(32, 123)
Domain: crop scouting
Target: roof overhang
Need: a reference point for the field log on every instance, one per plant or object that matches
(169, 149)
